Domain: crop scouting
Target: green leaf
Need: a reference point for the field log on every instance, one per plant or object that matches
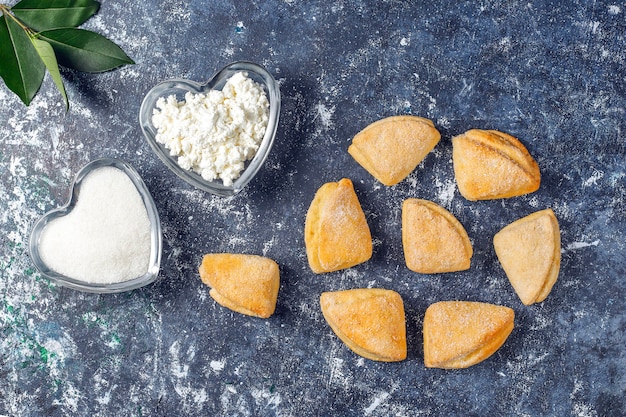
(46, 53)
(52, 14)
(20, 66)
(84, 50)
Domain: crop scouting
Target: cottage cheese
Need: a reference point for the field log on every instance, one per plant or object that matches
(216, 132)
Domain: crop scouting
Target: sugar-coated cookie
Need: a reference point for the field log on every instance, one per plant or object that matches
(391, 148)
(433, 239)
(247, 284)
(370, 321)
(489, 165)
(336, 233)
(459, 334)
(529, 250)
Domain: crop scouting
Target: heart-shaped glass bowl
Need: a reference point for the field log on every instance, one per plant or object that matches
(155, 233)
(178, 88)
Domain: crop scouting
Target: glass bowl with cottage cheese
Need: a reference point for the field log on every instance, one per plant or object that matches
(107, 238)
(217, 135)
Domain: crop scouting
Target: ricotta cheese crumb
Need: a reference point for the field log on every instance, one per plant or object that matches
(216, 132)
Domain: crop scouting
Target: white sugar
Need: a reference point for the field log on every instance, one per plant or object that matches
(106, 237)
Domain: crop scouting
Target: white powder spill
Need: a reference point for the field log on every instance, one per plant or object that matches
(103, 387)
(309, 311)
(580, 245)
(267, 246)
(126, 39)
(505, 44)
(336, 374)
(176, 12)
(540, 323)
(229, 51)
(324, 116)
(104, 399)
(227, 207)
(230, 400)
(593, 179)
(266, 398)
(614, 9)
(615, 178)
(444, 122)
(177, 370)
(583, 410)
(217, 366)
(70, 398)
(192, 398)
(203, 292)
(20, 215)
(376, 402)
(580, 408)
(445, 190)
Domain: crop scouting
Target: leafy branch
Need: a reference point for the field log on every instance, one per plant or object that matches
(40, 35)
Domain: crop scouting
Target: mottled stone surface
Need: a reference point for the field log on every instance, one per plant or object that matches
(550, 73)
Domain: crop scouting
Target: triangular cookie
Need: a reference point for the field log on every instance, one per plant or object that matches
(529, 251)
(489, 165)
(370, 321)
(459, 334)
(247, 284)
(434, 240)
(391, 148)
(336, 234)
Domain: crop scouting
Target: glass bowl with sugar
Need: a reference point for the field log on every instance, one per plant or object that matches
(217, 135)
(107, 238)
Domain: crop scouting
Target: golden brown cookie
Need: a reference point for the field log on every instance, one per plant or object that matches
(336, 234)
(459, 334)
(370, 321)
(489, 165)
(247, 284)
(391, 148)
(434, 240)
(529, 250)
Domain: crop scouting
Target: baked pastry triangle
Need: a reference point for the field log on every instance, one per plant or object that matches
(370, 321)
(247, 284)
(336, 234)
(391, 148)
(529, 250)
(459, 334)
(489, 165)
(434, 240)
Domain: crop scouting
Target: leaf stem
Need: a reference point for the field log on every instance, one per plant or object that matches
(6, 10)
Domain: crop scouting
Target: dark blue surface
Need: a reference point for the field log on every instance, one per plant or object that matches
(549, 73)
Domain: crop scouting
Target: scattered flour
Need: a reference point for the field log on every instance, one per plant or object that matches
(593, 179)
(580, 245)
(378, 400)
(324, 115)
(217, 366)
(266, 398)
(192, 398)
(445, 190)
(614, 9)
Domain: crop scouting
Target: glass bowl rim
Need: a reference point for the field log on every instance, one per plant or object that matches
(156, 238)
(165, 88)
